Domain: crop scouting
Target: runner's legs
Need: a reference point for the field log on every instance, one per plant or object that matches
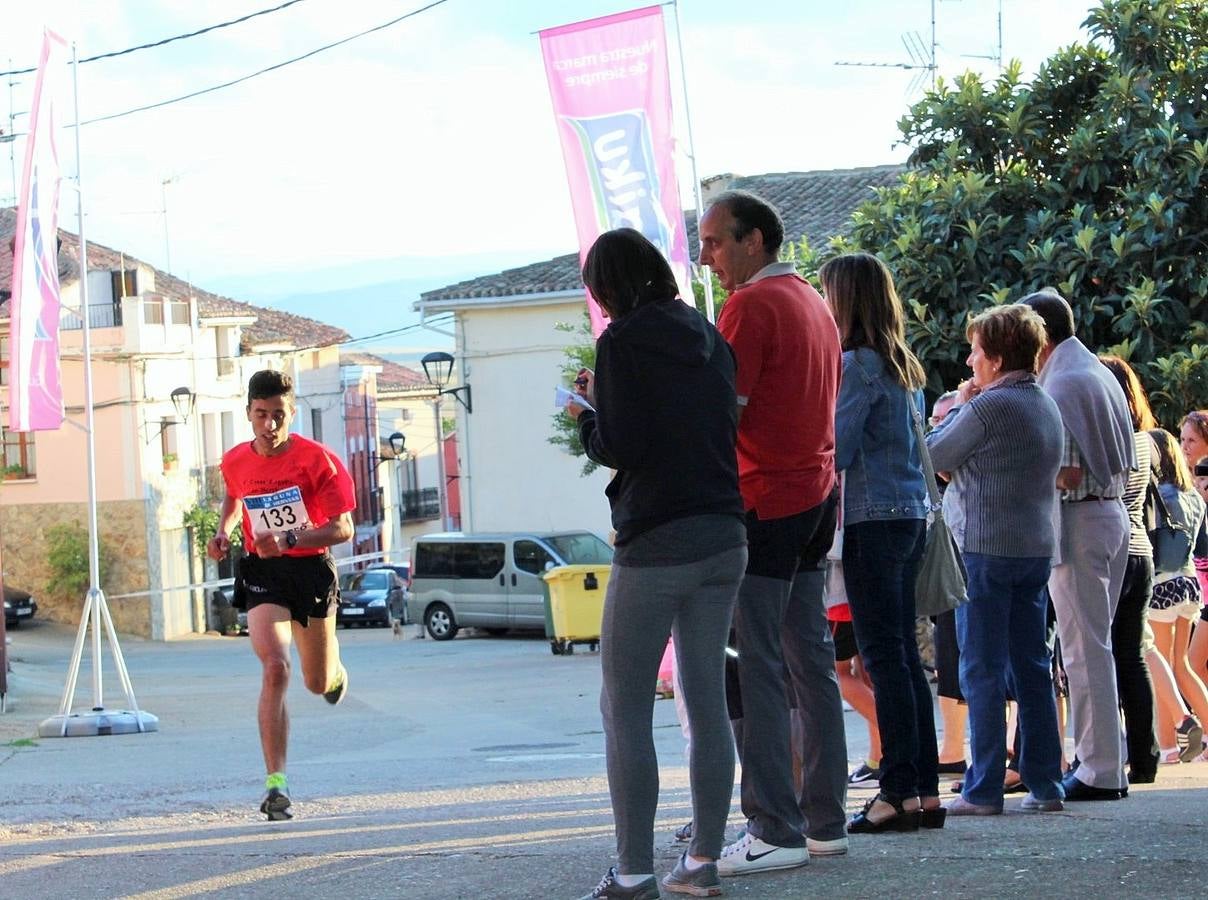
(319, 652)
(269, 631)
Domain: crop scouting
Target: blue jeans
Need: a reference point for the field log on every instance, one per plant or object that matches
(880, 566)
(1002, 638)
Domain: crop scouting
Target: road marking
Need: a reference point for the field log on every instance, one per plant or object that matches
(543, 757)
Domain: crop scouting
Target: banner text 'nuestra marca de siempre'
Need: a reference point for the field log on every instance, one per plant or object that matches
(612, 101)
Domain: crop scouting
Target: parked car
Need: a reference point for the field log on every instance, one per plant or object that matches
(403, 571)
(374, 596)
(492, 581)
(19, 606)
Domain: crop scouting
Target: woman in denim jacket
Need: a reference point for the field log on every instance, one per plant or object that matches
(884, 520)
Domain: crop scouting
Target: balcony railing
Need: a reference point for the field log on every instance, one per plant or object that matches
(100, 315)
(421, 504)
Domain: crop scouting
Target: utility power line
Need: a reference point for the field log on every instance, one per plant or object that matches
(267, 69)
(169, 40)
(272, 68)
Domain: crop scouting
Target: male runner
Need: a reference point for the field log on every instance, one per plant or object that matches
(296, 502)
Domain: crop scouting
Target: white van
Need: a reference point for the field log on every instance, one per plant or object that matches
(491, 581)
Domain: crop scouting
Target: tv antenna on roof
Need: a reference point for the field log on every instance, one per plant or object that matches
(921, 56)
(996, 58)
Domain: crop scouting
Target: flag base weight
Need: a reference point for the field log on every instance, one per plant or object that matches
(99, 722)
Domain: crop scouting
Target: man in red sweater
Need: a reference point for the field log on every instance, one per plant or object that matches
(789, 364)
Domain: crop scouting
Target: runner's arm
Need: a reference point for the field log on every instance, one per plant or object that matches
(220, 544)
(336, 530)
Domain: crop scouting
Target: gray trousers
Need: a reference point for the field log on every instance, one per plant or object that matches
(1085, 589)
(694, 603)
(781, 623)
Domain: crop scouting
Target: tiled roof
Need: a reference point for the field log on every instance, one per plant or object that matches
(392, 378)
(271, 326)
(817, 205)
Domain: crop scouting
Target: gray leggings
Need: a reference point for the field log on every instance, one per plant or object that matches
(694, 603)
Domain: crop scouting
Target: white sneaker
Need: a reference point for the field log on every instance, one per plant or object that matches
(749, 854)
(834, 847)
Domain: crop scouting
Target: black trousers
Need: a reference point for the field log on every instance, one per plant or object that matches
(1133, 681)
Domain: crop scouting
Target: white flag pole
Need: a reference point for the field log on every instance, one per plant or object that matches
(98, 720)
(705, 273)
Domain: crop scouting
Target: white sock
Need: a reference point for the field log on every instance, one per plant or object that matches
(691, 864)
(632, 880)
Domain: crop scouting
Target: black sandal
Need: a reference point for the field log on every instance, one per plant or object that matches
(932, 818)
(901, 820)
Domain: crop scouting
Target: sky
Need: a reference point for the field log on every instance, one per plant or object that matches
(425, 153)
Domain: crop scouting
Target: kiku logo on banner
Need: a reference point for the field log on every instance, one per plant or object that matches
(611, 93)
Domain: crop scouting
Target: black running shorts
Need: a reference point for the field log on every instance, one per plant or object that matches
(305, 585)
(844, 634)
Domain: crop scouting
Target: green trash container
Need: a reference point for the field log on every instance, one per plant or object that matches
(575, 605)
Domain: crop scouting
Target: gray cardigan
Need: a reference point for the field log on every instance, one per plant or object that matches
(1003, 449)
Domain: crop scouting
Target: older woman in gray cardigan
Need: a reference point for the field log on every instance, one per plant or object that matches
(1002, 445)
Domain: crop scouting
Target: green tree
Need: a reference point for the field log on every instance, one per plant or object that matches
(580, 354)
(1089, 178)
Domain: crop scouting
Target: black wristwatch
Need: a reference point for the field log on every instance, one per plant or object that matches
(291, 539)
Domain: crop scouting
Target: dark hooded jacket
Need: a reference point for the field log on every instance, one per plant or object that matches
(666, 418)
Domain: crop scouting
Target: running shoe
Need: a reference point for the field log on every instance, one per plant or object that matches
(699, 882)
(866, 774)
(833, 847)
(749, 854)
(276, 805)
(335, 695)
(609, 888)
(1190, 738)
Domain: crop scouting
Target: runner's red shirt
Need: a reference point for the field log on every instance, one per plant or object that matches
(304, 487)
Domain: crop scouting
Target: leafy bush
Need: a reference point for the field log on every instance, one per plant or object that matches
(204, 522)
(67, 556)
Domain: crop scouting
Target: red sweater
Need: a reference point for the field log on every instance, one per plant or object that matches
(789, 366)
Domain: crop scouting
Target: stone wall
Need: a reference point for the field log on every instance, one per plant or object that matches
(123, 537)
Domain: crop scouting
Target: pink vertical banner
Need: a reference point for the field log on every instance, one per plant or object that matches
(35, 395)
(612, 100)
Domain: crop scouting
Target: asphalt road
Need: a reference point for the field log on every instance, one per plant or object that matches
(470, 769)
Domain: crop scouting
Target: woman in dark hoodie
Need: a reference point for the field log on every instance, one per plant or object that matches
(665, 420)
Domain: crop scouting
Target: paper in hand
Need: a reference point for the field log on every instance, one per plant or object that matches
(562, 396)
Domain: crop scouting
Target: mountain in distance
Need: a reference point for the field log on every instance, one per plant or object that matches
(373, 301)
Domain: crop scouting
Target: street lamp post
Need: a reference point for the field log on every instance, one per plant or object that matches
(438, 368)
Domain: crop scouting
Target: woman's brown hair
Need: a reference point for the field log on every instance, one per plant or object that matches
(1014, 333)
(861, 295)
(1172, 466)
(1198, 419)
(1134, 393)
